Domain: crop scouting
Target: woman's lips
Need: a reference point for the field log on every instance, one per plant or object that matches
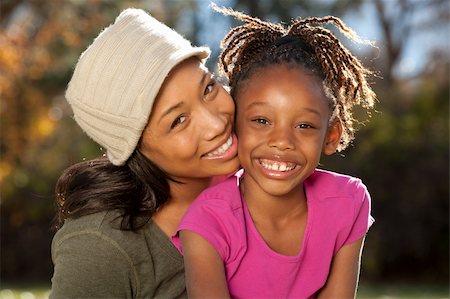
(226, 150)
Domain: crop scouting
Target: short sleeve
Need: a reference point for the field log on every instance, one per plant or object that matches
(362, 219)
(216, 221)
(88, 265)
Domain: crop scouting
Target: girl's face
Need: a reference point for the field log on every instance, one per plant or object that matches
(190, 131)
(283, 127)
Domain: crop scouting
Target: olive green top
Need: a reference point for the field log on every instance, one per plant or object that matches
(94, 259)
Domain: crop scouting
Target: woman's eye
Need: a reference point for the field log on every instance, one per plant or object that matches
(210, 87)
(178, 121)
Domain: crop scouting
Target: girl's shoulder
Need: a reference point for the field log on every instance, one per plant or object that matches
(332, 184)
(224, 193)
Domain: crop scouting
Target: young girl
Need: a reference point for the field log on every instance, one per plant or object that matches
(282, 228)
(143, 93)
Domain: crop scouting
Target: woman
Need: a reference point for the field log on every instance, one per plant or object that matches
(142, 92)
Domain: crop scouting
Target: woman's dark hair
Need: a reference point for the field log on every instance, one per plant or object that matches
(136, 189)
(257, 44)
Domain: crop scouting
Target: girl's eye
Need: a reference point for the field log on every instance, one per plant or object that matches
(178, 121)
(261, 121)
(304, 126)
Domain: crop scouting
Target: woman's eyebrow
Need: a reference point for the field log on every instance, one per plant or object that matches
(170, 109)
(201, 83)
(205, 76)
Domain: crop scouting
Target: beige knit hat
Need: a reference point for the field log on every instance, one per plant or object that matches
(117, 78)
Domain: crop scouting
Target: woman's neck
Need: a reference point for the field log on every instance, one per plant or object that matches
(182, 194)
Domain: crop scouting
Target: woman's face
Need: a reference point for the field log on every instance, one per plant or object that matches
(190, 130)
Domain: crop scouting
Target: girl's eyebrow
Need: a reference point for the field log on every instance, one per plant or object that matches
(312, 110)
(308, 109)
(257, 104)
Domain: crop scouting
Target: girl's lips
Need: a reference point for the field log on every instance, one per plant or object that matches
(225, 151)
(277, 168)
(277, 165)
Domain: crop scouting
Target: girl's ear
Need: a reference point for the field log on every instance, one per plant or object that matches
(333, 137)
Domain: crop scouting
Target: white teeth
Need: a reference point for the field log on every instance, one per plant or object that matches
(222, 149)
(277, 166)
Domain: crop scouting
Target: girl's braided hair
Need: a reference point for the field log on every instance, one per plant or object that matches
(257, 44)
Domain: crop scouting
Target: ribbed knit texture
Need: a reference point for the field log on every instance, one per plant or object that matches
(117, 78)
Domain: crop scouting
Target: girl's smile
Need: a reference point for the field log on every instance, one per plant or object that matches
(283, 127)
(278, 167)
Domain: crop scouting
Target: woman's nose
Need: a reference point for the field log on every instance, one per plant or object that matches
(213, 123)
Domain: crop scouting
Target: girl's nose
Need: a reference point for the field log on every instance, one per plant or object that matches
(281, 138)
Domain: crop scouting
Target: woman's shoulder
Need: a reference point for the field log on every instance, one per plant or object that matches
(101, 222)
(105, 228)
(94, 245)
(72, 227)
(99, 230)
(97, 241)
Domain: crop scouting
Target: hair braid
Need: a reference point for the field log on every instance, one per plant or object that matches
(244, 42)
(306, 43)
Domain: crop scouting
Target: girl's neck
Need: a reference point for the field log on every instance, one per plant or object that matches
(273, 208)
(280, 220)
(182, 194)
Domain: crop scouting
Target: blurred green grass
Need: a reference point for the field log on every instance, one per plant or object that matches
(372, 291)
(24, 293)
(403, 291)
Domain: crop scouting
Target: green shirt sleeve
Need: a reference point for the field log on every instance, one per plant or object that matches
(88, 264)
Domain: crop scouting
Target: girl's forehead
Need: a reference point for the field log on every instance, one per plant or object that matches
(279, 74)
(261, 69)
(282, 86)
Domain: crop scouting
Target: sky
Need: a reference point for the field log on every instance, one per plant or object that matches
(363, 21)
(419, 45)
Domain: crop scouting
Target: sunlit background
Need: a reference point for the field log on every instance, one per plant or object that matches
(402, 154)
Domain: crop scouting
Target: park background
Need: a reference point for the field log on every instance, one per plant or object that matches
(402, 154)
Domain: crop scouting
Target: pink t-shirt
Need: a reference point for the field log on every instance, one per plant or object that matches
(338, 214)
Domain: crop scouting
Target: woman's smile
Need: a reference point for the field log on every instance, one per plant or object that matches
(226, 150)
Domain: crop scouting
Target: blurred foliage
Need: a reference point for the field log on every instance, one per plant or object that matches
(402, 154)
